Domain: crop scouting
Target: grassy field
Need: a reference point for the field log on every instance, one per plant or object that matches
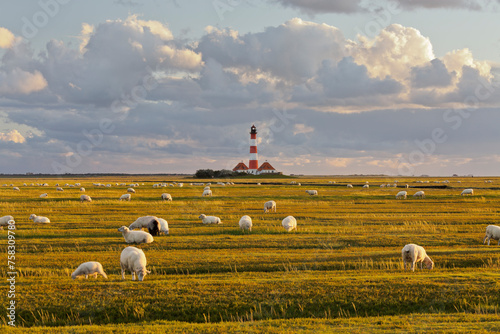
(340, 271)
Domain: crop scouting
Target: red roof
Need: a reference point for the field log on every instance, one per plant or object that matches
(240, 166)
(266, 166)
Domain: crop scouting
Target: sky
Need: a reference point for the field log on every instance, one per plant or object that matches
(394, 87)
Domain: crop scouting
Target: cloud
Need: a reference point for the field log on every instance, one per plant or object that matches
(434, 74)
(6, 38)
(312, 7)
(17, 81)
(13, 136)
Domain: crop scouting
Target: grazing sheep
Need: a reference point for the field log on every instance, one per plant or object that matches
(467, 192)
(89, 268)
(312, 192)
(125, 197)
(16, 189)
(154, 227)
(59, 189)
(349, 186)
(135, 236)
(163, 226)
(142, 222)
(82, 189)
(492, 232)
(419, 194)
(4, 221)
(131, 190)
(407, 186)
(289, 223)
(246, 223)
(166, 197)
(210, 219)
(85, 198)
(134, 260)
(45, 195)
(207, 192)
(206, 188)
(412, 253)
(401, 194)
(366, 186)
(270, 206)
(39, 219)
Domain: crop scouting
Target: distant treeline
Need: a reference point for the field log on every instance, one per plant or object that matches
(209, 173)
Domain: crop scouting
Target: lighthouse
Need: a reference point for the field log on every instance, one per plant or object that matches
(253, 165)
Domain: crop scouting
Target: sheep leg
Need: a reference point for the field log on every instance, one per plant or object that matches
(133, 275)
(123, 271)
(484, 240)
(413, 266)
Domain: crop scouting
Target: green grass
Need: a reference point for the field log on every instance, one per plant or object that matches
(340, 271)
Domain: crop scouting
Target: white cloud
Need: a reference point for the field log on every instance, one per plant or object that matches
(18, 81)
(7, 38)
(13, 136)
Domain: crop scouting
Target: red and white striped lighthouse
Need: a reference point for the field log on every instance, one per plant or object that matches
(253, 165)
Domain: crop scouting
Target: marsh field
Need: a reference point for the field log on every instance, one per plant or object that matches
(340, 271)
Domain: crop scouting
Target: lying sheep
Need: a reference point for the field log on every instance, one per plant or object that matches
(16, 188)
(166, 197)
(135, 236)
(492, 232)
(142, 222)
(85, 198)
(4, 221)
(349, 186)
(89, 268)
(39, 219)
(82, 189)
(467, 192)
(125, 197)
(419, 194)
(289, 223)
(44, 195)
(366, 186)
(401, 194)
(246, 223)
(312, 192)
(134, 260)
(210, 219)
(59, 189)
(412, 253)
(207, 192)
(154, 227)
(270, 206)
(131, 190)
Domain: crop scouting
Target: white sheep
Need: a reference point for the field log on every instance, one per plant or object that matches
(39, 219)
(134, 260)
(16, 188)
(419, 194)
(45, 195)
(163, 226)
(89, 268)
(289, 223)
(246, 223)
(412, 253)
(468, 191)
(59, 189)
(366, 186)
(142, 222)
(492, 232)
(207, 192)
(210, 219)
(166, 197)
(135, 236)
(82, 189)
(312, 192)
(126, 197)
(349, 186)
(270, 206)
(206, 188)
(85, 198)
(4, 221)
(401, 194)
(131, 190)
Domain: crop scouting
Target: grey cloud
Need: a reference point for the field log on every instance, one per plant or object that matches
(434, 74)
